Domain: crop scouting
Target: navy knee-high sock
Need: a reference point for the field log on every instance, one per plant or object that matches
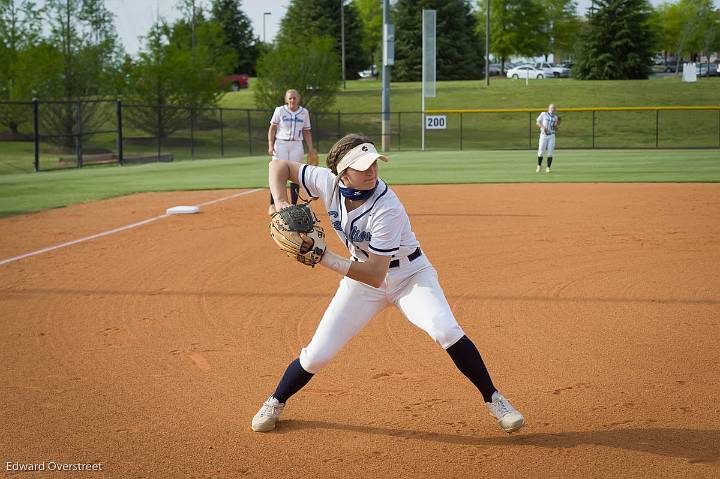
(294, 193)
(293, 380)
(539, 160)
(468, 360)
(549, 161)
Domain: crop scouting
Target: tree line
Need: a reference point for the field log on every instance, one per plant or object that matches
(79, 55)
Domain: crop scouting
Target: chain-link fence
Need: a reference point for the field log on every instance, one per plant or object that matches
(48, 135)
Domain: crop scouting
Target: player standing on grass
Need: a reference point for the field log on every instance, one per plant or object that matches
(387, 268)
(548, 123)
(289, 124)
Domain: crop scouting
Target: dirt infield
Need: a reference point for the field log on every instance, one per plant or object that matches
(596, 308)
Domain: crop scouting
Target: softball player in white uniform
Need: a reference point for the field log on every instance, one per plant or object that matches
(289, 125)
(548, 123)
(387, 268)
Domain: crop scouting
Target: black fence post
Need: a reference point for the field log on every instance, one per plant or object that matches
(159, 131)
(461, 131)
(249, 134)
(118, 116)
(338, 126)
(78, 136)
(192, 132)
(399, 128)
(222, 135)
(657, 128)
(593, 129)
(529, 130)
(36, 133)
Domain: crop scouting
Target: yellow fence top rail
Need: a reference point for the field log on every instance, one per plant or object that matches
(560, 110)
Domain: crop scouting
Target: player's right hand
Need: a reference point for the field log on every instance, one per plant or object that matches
(271, 150)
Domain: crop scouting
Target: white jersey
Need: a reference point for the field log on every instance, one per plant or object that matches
(548, 121)
(290, 123)
(380, 225)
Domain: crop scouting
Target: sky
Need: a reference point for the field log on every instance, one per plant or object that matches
(133, 18)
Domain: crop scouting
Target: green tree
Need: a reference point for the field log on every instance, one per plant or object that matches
(458, 45)
(180, 65)
(370, 12)
(19, 40)
(517, 27)
(312, 69)
(562, 26)
(84, 62)
(238, 33)
(157, 80)
(309, 19)
(617, 43)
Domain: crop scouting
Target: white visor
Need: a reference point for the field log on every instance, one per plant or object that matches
(360, 158)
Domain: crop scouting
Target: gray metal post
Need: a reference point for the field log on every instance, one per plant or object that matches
(118, 117)
(385, 84)
(487, 44)
(36, 133)
(78, 136)
(342, 40)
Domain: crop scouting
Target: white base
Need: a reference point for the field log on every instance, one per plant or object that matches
(182, 210)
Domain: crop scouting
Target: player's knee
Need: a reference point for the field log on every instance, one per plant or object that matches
(447, 336)
(314, 361)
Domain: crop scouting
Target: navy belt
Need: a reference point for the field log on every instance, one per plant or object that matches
(411, 257)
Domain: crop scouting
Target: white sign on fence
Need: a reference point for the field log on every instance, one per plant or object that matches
(435, 122)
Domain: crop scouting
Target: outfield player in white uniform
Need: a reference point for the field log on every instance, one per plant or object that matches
(289, 125)
(548, 123)
(387, 268)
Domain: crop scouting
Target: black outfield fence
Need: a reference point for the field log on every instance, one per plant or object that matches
(46, 135)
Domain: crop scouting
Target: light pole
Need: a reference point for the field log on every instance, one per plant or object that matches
(342, 39)
(264, 16)
(487, 44)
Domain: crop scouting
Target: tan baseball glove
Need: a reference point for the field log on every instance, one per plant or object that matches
(285, 228)
(312, 158)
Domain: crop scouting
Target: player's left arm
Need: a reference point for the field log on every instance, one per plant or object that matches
(371, 272)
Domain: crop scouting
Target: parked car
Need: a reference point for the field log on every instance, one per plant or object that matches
(494, 69)
(711, 69)
(552, 70)
(526, 71)
(235, 82)
(369, 73)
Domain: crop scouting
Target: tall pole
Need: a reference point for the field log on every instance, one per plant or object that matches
(342, 39)
(487, 44)
(386, 78)
(264, 16)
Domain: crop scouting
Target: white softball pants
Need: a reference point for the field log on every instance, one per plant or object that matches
(419, 297)
(547, 142)
(291, 150)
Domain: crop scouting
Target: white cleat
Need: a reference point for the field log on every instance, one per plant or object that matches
(509, 419)
(537, 170)
(268, 415)
(547, 169)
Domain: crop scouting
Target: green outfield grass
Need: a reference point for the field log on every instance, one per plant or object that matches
(21, 193)
(364, 95)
